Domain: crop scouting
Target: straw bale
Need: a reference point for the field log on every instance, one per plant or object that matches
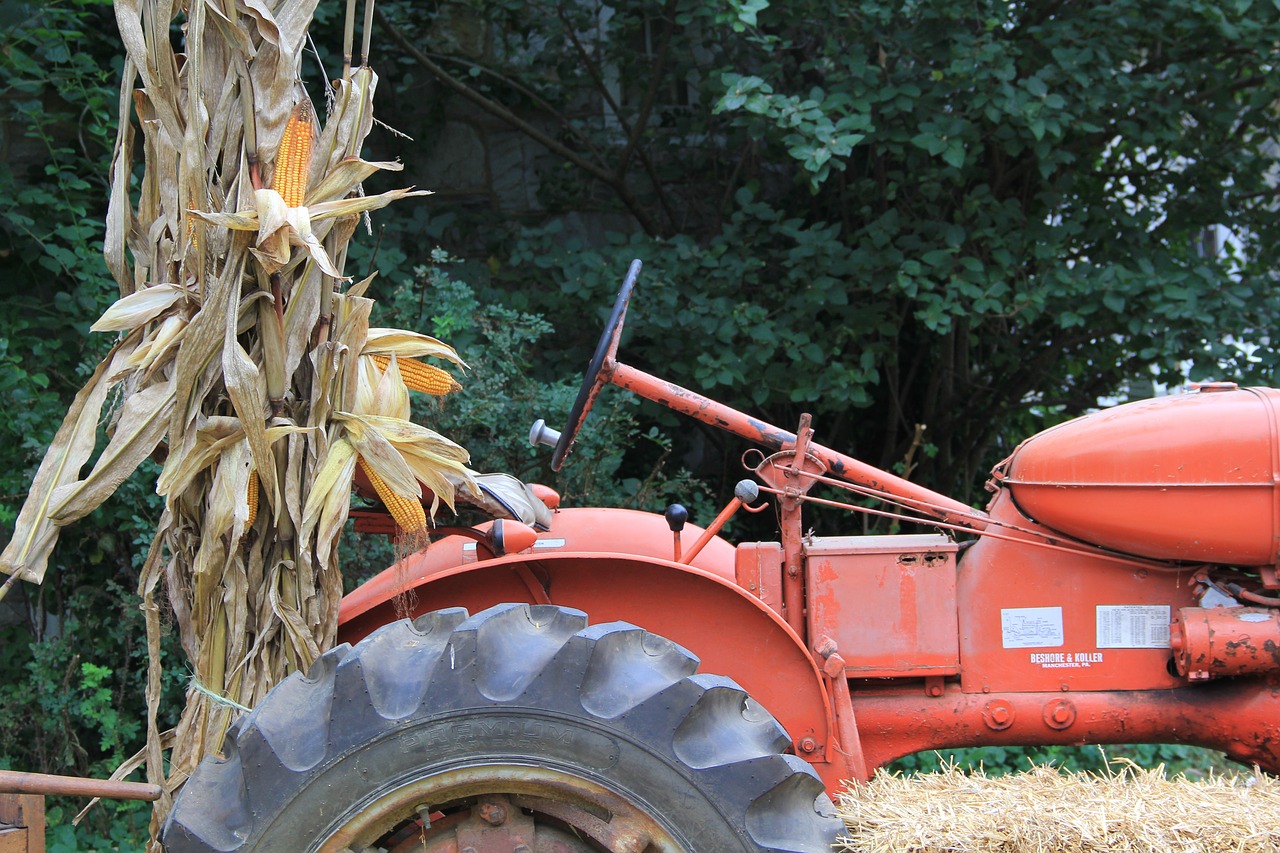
(1131, 811)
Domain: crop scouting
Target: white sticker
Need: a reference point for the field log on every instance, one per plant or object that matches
(1031, 627)
(1133, 626)
(541, 543)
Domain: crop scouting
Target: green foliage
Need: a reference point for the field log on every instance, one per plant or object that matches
(57, 83)
(947, 214)
(820, 133)
(1044, 178)
(116, 826)
(491, 416)
(1001, 760)
(73, 679)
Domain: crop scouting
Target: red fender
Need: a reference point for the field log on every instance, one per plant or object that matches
(733, 632)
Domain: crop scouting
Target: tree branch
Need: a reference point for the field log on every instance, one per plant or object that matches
(634, 132)
(497, 110)
(533, 96)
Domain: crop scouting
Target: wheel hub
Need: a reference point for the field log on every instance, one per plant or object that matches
(538, 811)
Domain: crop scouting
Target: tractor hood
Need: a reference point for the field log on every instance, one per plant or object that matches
(1191, 477)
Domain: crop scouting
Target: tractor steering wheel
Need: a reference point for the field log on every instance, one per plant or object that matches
(595, 377)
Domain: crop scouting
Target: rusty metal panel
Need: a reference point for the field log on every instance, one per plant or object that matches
(889, 602)
(1218, 642)
(758, 567)
(14, 840)
(22, 823)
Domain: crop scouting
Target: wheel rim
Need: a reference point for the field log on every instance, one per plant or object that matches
(502, 808)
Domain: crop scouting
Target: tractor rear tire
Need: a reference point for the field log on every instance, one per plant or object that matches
(520, 728)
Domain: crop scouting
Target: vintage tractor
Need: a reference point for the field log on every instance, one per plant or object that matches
(603, 679)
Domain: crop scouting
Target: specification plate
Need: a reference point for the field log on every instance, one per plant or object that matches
(1133, 626)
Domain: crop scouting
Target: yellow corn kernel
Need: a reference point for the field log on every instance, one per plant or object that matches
(253, 498)
(293, 157)
(408, 513)
(420, 376)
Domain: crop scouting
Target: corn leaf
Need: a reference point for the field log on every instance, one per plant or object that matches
(390, 396)
(334, 474)
(202, 344)
(120, 212)
(350, 122)
(359, 204)
(407, 434)
(34, 535)
(247, 389)
(381, 456)
(200, 448)
(268, 29)
(300, 234)
(408, 344)
(161, 342)
(156, 74)
(139, 429)
(129, 312)
(300, 316)
(345, 177)
(244, 220)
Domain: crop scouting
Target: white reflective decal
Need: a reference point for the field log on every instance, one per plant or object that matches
(1031, 627)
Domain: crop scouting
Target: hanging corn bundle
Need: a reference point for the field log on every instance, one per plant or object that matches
(244, 358)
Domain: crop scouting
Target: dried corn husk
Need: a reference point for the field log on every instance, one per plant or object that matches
(241, 359)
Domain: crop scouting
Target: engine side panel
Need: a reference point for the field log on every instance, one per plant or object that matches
(1035, 619)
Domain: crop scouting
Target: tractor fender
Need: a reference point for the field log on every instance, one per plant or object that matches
(628, 533)
(732, 632)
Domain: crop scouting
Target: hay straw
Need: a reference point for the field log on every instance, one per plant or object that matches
(1131, 811)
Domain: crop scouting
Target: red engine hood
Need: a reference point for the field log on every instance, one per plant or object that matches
(1192, 477)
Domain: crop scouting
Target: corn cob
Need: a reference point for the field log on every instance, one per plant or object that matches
(253, 498)
(408, 513)
(420, 376)
(293, 157)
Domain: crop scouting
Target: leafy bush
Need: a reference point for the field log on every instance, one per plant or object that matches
(502, 396)
(1000, 760)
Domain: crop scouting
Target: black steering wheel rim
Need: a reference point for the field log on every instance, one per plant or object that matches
(594, 380)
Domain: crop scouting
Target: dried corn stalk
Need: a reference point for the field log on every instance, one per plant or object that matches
(243, 357)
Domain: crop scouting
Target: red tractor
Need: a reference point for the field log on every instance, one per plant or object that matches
(610, 680)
